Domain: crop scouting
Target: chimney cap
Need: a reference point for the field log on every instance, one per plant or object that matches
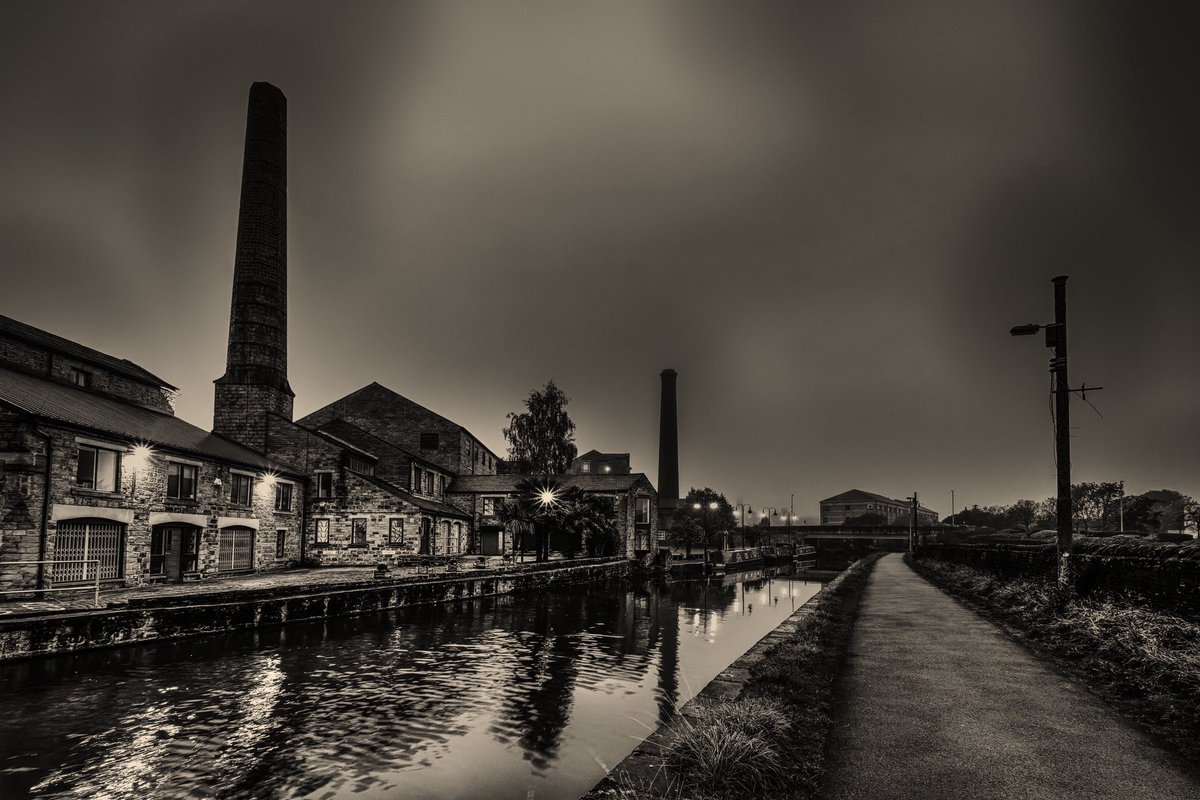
(669, 372)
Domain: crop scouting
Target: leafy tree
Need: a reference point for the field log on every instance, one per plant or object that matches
(689, 523)
(1022, 514)
(541, 507)
(543, 436)
(976, 517)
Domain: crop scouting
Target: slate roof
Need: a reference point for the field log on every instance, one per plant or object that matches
(48, 341)
(598, 454)
(361, 440)
(62, 403)
(505, 484)
(443, 509)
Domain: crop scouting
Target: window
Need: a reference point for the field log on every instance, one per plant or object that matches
(98, 469)
(429, 441)
(322, 531)
(395, 531)
(235, 549)
(643, 511)
(81, 377)
(239, 489)
(181, 481)
(360, 465)
(442, 486)
(429, 483)
(324, 484)
(489, 506)
(585, 466)
(280, 543)
(283, 496)
(418, 482)
(79, 541)
(358, 532)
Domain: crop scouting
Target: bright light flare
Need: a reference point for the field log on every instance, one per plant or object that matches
(547, 497)
(140, 455)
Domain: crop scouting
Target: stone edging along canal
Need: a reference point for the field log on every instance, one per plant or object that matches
(65, 632)
(642, 766)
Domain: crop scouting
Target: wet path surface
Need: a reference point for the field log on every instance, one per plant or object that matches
(939, 704)
(510, 697)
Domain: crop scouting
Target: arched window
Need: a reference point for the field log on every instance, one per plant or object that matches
(80, 540)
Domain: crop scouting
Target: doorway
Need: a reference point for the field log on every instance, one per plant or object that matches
(174, 551)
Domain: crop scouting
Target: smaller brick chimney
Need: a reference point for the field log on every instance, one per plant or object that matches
(668, 446)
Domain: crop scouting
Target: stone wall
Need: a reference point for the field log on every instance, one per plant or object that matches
(62, 633)
(140, 503)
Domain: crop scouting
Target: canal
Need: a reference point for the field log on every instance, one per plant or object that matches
(523, 696)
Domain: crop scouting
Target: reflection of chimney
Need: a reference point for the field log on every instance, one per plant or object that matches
(255, 380)
(668, 445)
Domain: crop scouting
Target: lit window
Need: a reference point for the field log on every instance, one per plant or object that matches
(181, 481)
(607, 468)
(81, 377)
(643, 511)
(585, 466)
(322, 531)
(358, 532)
(283, 496)
(239, 489)
(489, 506)
(98, 469)
(395, 531)
(280, 543)
(324, 484)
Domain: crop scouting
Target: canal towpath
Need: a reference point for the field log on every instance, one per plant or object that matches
(938, 703)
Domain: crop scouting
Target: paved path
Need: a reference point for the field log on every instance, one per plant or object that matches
(938, 703)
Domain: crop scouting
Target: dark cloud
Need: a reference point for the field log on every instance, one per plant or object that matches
(824, 215)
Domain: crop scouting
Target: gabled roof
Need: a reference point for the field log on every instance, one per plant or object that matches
(443, 509)
(68, 405)
(376, 389)
(598, 454)
(506, 484)
(368, 442)
(48, 341)
(857, 496)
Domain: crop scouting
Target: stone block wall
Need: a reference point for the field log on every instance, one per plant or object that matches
(140, 503)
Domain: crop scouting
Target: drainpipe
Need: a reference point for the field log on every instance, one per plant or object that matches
(41, 575)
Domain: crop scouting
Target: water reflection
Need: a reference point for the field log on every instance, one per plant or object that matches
(503, 697)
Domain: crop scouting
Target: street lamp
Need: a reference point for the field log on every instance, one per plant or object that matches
(713, 506)
(1056, 338)
(742, 510)
(767, 516)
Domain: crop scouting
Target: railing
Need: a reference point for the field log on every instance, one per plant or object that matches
(85, 561)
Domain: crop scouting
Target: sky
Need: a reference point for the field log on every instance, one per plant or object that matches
(825, 216)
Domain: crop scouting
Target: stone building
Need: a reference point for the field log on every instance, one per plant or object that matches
(854, 503)
(593, 462)
(634, 504)
(94, 466)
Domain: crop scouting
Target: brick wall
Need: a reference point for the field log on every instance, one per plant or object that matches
(240, 412)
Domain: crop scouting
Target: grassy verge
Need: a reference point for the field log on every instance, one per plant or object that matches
(1142, 661)
(769, 742)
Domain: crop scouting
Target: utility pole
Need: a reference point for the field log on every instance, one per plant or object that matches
(915, 527)
(951, 508)
(1122, 502)
(1057, 337)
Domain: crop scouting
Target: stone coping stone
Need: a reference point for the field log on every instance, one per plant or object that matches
(642, 766)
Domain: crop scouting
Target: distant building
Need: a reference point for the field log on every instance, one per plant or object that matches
(854, 503)
(634, 507)
(593, 462)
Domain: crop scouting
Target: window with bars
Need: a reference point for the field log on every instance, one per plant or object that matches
(98, 468)
(281, 544)
(181, 481)
(235, 549)
(395, 531)
(322, 531)
(358, 532)
(78, 541)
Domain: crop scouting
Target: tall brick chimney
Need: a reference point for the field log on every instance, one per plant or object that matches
(668, 446)
(255, 379)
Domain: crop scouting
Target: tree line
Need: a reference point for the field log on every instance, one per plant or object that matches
(1095, 507)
